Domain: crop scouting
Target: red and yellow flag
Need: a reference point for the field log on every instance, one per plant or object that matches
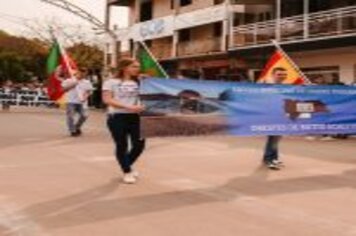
(279, 59)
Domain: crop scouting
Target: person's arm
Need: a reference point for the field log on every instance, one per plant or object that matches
(108, 99)
(86, 95)
(88, 92)
(68, 86)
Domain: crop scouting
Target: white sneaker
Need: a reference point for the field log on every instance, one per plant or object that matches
(310, 138)
(272, 166)
(278, 162)
(327, 138)
(129, 179)
(135, 174)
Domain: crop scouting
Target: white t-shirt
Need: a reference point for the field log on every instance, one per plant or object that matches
(125, 92)
(75, 95)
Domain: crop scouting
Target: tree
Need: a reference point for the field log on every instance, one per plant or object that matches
(12, 68)
(87, 56)
(21, 57)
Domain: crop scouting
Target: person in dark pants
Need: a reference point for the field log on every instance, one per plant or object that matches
(121, 95)
(271, 153)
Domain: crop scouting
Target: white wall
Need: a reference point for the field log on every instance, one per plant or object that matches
(345, 58)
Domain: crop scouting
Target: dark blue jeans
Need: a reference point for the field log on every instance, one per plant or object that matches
(271, 149)
(125, 127)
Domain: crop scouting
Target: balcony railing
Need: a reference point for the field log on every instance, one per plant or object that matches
(196, 47)
(320, 25)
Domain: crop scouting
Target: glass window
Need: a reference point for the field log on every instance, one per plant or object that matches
(185, 2)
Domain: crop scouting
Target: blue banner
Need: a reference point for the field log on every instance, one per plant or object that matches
(191, 107)
(184, 96)
(183, 107)
(291, 110)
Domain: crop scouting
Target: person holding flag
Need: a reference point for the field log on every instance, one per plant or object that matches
(271, 153)
(279, 70)
(67, 86)
(78, 89)
(121, 95)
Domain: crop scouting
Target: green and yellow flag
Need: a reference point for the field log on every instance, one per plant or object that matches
(149, 65)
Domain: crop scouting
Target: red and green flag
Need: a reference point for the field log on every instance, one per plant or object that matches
(58, 62)
(149, 65)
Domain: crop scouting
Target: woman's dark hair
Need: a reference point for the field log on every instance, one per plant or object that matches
(123, 64)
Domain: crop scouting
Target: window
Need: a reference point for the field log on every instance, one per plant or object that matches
(261, 17)
(239, 19)
(172, 4)
(329, 74)
(292, 7)
(250, 18)
(148, 43)
(185, 2)
(218, 29)
(268, 16)
(216, 2)
(184, 35)
(146, 11)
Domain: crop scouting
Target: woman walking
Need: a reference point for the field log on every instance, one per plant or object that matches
(121, 95)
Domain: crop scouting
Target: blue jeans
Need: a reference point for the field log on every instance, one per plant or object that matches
(74, 109)
(271, 149)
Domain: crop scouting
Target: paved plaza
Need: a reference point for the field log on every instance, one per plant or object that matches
(55, 185)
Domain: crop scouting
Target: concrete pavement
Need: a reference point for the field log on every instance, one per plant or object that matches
(52, 184)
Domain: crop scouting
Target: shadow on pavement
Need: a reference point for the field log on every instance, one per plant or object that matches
(89, 207)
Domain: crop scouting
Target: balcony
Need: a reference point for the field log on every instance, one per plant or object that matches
(315, 26)
(162, 52)
(198, 47)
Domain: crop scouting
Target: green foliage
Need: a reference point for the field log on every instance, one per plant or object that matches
(86, 56)
(22, 58)
(12, 67)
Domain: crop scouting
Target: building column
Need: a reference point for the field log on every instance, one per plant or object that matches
(107, 61)
(225, 27)
(278, 19)
(306, 18)
(175, 33)
(347, 72)
(223, 46)
(175, 44)
(135, 48)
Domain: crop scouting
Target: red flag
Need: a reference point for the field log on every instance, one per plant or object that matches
(58, 63)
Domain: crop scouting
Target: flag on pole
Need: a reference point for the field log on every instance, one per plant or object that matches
(58, 62)
(149, 65)
(281, 59)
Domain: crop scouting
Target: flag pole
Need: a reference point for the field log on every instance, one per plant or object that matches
(276, 44)
(153, 58)
(64, 53)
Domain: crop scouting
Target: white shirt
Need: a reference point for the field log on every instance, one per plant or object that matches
(76, 94)
(125, 92)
